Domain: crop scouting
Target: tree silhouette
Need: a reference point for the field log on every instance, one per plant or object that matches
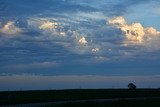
(131, 86)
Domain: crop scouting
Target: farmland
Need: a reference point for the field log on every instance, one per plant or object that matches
(83, 97)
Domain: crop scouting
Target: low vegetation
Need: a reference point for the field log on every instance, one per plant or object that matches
(24, 97)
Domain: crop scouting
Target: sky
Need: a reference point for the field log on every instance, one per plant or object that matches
(95, 43)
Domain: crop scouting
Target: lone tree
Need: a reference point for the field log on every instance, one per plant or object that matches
(131, 86)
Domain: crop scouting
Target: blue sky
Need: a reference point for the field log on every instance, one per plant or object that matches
(80, 38)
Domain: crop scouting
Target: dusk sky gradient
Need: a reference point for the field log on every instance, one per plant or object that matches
(61, 44)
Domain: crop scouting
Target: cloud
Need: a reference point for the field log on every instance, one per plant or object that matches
(40, 82)
(33, 65)
(82, 41)
(80, 38)
(83, 45)
(47, 25)
(43, 23)
(91, 15)
(57, 31)
(134, 32)
(152, 31)
(118, 21)
(10, 28)
(54, 31)
(94, 50)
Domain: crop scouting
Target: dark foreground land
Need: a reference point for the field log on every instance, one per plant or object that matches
(82, 98)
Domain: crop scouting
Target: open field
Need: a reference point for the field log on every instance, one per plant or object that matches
(84, 97)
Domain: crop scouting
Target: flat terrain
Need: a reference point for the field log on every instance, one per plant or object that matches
(84, 97)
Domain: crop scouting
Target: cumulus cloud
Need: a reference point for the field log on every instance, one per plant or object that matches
(62, 33)
(47, 25)
(94, 50)
(10, 28)
(54, 29)
(134, 32)
(44, 24)
(152, 31)
(118, 21)
(82, 41)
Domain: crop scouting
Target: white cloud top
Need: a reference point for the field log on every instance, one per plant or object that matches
(47, 25)
(82, 41)
(119, 21)
(152, 31)
(62, 33)
(94, 50)
(10, 28)
(134, 32)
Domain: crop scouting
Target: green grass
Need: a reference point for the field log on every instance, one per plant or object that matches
(22, 97)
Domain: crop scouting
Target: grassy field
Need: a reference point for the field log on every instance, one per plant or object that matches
(24, 97)
(120, 103)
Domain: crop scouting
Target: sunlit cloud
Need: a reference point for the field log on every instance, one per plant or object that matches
(134, 32)
(75, 32)
(74, 40)
(43, 23)
(10, 28)
(118, 21)
(152, 32)
(47, 25)
(94, 50)
(62, 33)
(82, 41)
